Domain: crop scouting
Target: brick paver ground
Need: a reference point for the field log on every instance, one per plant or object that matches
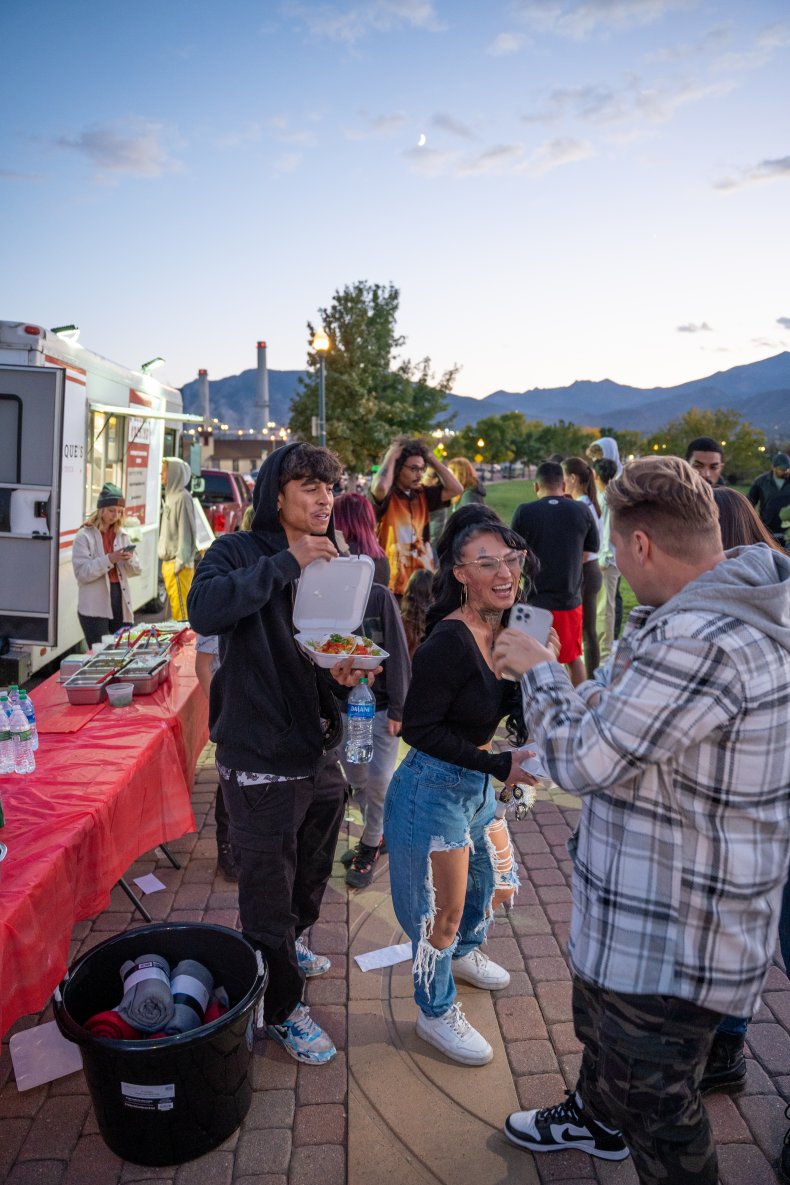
(297, 1130)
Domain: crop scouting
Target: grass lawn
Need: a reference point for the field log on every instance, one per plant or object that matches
(505, 496)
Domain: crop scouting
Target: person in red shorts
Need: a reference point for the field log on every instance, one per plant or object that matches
(559, 531)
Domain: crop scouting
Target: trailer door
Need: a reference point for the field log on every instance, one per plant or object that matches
(31, 432)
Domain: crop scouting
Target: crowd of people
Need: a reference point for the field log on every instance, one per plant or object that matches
(672, 735)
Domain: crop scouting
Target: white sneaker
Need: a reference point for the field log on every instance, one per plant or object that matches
(453, 1035)
(478, 969)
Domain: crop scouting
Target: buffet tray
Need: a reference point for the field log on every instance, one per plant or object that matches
(84, 688)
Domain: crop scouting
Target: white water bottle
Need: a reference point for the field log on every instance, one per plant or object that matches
(6, 740)
(26, 704)
(24, 758)
(361, 714)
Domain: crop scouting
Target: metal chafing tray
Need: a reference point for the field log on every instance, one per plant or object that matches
(87, 688)
(145, 673)
(107, 660)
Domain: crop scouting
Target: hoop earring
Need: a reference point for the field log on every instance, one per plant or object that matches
(464, 594)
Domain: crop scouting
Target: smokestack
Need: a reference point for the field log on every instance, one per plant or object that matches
(262, 387)
(205, 405)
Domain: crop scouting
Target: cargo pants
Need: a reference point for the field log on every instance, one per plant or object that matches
(641, 1067)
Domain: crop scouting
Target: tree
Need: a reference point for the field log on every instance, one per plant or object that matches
(370, 397)
(744, 446)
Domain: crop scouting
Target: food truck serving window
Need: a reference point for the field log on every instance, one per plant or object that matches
(106, 453)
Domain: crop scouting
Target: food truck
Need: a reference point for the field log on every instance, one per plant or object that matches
(70, 420)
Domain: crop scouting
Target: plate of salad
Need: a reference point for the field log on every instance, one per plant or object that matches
(326, 649)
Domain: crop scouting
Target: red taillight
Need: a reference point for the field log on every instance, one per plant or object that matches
(33, 330)
(219, 523)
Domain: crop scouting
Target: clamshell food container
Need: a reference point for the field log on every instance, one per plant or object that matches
(362, 662)
(84, 688)
(331, 598)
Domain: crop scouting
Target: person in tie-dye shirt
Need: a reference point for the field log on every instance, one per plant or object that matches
(403, 506)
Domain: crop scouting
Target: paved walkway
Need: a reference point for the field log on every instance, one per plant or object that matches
(390, 1110)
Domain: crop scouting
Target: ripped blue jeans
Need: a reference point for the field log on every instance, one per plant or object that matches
(432, 806)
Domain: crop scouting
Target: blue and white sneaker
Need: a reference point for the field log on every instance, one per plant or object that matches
(310, 963)
(300, 1036)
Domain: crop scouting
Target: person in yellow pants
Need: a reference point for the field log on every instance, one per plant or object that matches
(177, 535)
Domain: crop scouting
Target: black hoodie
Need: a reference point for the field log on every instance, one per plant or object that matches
(267, 698)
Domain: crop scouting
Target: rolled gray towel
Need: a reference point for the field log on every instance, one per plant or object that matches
(191, 984)
(147, 1002)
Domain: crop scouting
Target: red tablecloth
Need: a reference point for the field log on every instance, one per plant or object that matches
(98, 799)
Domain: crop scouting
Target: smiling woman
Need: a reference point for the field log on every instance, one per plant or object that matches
(451, 862)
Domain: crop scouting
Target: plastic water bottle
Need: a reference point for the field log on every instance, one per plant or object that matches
(24, 758)
(361, 713)
(6, 741)
(13, 695)
(26, 704)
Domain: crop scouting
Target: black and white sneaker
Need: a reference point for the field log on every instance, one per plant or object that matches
(565, 1126)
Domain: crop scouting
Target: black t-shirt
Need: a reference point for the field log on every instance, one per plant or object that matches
(557, 530)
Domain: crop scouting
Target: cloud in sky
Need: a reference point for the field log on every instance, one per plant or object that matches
(602, 103)
(287, 162)
(140, 152)
(351, 22)
(376, 126)
(555, 153)
(702, 327)
(578, 19)
(765, 170)
(430, 162)
(713, 40)
(13, 175)
(490, 159)
(784, 322)
(506, 43)
(449, 123)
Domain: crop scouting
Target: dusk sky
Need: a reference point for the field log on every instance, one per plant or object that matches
(560, 189)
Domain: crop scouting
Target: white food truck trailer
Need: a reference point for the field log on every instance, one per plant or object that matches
(70, 420)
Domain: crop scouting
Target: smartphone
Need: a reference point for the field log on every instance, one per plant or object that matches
(129, 547)
(531, 620)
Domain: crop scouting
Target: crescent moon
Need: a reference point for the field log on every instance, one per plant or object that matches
(421, 140)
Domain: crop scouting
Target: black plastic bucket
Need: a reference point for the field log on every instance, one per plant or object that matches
(167, 1100)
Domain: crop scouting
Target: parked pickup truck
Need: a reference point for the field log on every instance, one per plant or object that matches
(224, 499)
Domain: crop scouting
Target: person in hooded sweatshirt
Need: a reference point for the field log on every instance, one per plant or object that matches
(610, 604)
(177, 535)
(679, 751)
(275, 720)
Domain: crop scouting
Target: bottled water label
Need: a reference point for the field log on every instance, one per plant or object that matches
(361, 711)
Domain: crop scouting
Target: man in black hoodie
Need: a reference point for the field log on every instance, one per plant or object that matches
(275, 720)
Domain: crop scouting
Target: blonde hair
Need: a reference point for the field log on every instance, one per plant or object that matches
(94, 519)
(670, 502)
(464, 470)
(247, 517)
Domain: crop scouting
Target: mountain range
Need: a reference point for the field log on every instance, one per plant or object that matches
(759, 392)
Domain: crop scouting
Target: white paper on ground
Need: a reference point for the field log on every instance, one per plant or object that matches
(149, 883)
(42, 1054)
(387, 956)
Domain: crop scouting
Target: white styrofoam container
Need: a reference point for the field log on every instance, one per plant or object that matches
(331, 598)
(333, 594)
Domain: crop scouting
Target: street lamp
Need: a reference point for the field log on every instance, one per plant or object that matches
(321, 346)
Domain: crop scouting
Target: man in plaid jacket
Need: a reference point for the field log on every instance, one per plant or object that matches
(679, 750)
